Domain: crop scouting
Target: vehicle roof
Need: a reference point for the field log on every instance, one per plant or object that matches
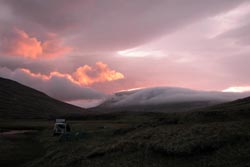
(60, 123)
(60, 120)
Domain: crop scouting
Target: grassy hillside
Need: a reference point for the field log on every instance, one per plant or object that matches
(238, 110)
(217, 136)
(21, 102)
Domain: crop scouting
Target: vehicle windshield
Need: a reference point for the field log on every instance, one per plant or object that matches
(61, 126)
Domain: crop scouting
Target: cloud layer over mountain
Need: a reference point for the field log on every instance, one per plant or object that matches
(168, 95)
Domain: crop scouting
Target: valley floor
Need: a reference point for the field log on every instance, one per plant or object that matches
(126, 140)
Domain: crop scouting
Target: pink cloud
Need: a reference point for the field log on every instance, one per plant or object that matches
(20, 43)
(66, 86)
(87, 75)
(57, 85)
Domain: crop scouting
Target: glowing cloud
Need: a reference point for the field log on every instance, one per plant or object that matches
(53, 48)
(87, 75)
(238, 89)
(51, 75)
(132, 89)
(84, 75)
(57, 85)
(20, 43)
(137, 52)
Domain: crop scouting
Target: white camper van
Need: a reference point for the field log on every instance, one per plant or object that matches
(61, 127)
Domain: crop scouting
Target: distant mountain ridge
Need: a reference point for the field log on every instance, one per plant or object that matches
(166, 99)
(21, 102)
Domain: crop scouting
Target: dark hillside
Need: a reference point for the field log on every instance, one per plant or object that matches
(19, 101)
(237, 110)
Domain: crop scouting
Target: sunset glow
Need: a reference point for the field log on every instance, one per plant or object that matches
(238, 89)
(22, 44)
(125, 83)
(140, 53)
(124, 45)
(85, 75)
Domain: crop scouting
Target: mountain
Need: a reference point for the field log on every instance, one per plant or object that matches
(166, 99)
(231, 111)
(21, 102)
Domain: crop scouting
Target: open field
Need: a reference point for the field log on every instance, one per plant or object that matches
(199, 138)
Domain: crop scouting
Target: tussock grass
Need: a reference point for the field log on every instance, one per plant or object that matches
(218, 136)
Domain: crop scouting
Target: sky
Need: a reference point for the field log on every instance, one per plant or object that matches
(80, 51)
